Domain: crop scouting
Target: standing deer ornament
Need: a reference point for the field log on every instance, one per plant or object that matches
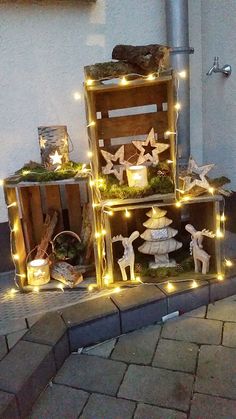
(128, 256)
(200, 257)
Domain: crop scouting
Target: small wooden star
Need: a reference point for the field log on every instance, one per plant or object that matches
(56, 158)
(111, 159)
(149, 149)
(42, 142)
(196, 176)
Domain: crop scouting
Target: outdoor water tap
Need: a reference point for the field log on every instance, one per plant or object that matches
(226, 69)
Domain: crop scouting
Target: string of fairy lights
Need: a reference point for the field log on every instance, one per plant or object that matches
(104, 209)
(181, 198)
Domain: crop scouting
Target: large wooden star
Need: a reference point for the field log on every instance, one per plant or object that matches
(118, 158)
(149, 149)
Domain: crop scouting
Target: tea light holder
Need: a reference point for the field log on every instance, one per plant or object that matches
(137, 176)
(38, 272)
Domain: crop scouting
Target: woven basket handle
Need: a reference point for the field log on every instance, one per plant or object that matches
(36, 247)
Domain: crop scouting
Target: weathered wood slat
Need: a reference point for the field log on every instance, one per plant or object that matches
(124, 126)
(137, 96)
(27, 218)
(17, 242)
(53, 202)
(36, 209)
(74, 207)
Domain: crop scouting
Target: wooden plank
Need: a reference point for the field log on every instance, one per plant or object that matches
(92, 130)
(172, 128)
(27, 218)
(17, 237)
(124, 126)
(36, 209)
(136, 96)
(107, 141)
(53, 202)
(74, 207)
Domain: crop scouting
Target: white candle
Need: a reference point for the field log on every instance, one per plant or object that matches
(137, 176)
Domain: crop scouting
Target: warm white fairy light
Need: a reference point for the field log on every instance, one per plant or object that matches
(151, 77)
(124, 81)
(223, 218)
(91, 287)
(220, 277)
(16, 256)
(228, 263)
(170, 286)
(90, 154)
(138, 279)
(177, 106)
(1, 182)
(106, 279)
(178, 204)
(169, 161)
(182, 74)
(36, 289)
(167, 133)
(91, 183)
(13, 291)
(219, 233)
(153, 210)
(25, 172)
(211, 190)
(91, 124)
(127, 213)
(97, 235)
(117, 289)
(103, 232)
(89, 82)
(194, 284)
(77, 95)
(14, 204)
(186, 198)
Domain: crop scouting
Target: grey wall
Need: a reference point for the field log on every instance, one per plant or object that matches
(219, 93)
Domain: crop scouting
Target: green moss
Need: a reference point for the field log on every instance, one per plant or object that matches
(35, 172)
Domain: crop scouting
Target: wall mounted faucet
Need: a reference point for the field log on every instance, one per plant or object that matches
(226, 69)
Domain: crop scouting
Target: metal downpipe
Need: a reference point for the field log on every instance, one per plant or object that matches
(178, 38)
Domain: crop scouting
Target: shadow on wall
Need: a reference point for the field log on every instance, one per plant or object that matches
(5, 256)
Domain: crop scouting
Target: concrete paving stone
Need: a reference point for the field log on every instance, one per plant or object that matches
(189, 300)
(31, 320)
(216, 372)
(94, 331)
(51, 330)
(229, 335)
(59, 402)
(9, 326)
(140, 306)
(25, 371)
(223, 310)
(102, 349)
(87, 311)
(157, 386)
(91, 373)
(199, 312)
(145, 411)
(195, 330)
(14, 337)
(3, 347)
(222, 289)
(176, 355)
(210, 407)
(106, 407)
(137, 347)
(8, 406)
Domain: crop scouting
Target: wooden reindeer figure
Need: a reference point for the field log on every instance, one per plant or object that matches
(128, 256)
(200, 257)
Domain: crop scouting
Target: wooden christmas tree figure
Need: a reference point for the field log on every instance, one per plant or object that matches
(159, 239)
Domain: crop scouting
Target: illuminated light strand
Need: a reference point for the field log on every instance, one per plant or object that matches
(167, 133)
(211, 190)
(170, 286)
(15, 256)
(36, 289)
(1, 182)
(90, 154)
(219, 233)
(77, 95)
(177, 106)
(151, 77)
(124, 81)
(127, 213)
(178, 204)
(60, 287)
(182, 74)
(117, 289)
(110, 212)
(194, 284)
(13, 204)
(89, 82)
(220, 277)
(91, 124)
(228, 263)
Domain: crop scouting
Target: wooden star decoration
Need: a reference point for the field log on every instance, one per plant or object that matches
(56, 158)
(111, 159)
(42, 142)
(196, 176)
(149, 149)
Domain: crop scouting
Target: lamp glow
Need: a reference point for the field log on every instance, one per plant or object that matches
(228, 263)
(77, 96)
(137, 176)
(182, 74)
(127, 213)
(89, 82)
(38, 272)
(151, 77)
(123, 81)
(177, 106)
(220, 277)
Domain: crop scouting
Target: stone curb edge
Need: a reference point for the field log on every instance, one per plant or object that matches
(58, 333)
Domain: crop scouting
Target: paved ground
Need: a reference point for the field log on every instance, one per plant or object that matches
(183, 369)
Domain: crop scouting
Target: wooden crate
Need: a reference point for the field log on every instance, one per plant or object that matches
(202, 212)
(29, 202)
(118, 114)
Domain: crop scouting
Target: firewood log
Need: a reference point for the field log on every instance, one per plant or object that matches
(148, 57)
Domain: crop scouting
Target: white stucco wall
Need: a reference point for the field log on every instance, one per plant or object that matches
(219, 93)
(44, 46)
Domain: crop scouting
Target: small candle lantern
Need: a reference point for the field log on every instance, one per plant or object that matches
(137, 176)
(38, 272)
(54, 145)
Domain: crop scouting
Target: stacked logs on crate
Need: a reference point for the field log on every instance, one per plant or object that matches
(136, 60)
